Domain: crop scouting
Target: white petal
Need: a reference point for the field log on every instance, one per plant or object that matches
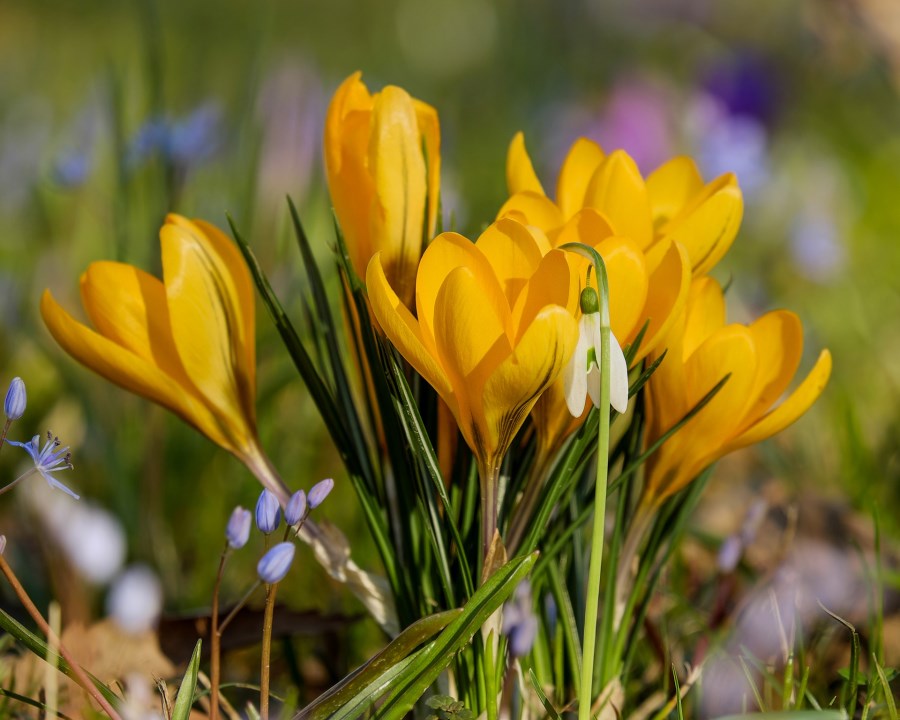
(593, 383)
(574, 380)
(618, 376)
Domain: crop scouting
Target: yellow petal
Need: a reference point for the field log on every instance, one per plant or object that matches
(537, 360)
(351, 96)
(587, 226)
(128, 370)
(552, 283)
(671, 186)
(628, 284)
(471, 342)
(403, 331)
(792, 408)
(618, 191)
(446, 252)
(514, 253)
(520, 174)
(669, 273)
(778, 337)
(709, 223)
(705, 313)
(205, 311)
(398, 171)
(582, 161)
(430, 129)
(532, 209)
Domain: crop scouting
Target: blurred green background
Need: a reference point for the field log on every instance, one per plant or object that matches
(113, 113)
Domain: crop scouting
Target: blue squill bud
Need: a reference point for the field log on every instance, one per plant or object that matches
(274, 565)
(295, 508)
(237, 532)
(319, 492)
(268, 512)
(15, 399)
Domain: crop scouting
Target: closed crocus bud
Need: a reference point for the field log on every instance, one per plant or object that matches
(274, 565)
(295, 508)
(237, 532)
(268, 512)
(319, 492)
(15, 399)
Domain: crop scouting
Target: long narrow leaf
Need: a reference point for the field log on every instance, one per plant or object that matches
(185, 698)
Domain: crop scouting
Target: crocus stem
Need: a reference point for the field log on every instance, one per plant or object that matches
(525, 508)
(80, 675)
(592, 598)
(266, 651)
(215, 669)
(489, 478)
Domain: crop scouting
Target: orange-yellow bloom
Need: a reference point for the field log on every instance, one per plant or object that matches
(673, 203)
(762, 359)
(186, 342)
(382, 162)
(494, 327)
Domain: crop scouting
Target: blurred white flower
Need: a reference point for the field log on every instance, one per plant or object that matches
(135, 599)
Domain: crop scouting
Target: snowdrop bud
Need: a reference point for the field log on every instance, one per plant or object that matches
(237, 532)
(274, 565)
(135, 599)
(319, 492)
(15, 399)
(295, 509)
(589, 301)
(268, 512)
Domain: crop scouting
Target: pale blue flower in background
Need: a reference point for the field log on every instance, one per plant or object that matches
(47, 460)
(274, 565)
(296, 508)
(16, 399)
(268, 512)
(237, 532)
(319, 492)
(135, 599)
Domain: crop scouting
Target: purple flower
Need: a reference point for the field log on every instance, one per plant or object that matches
(268, 512)
(520, 624)
(296, 508)
(14, 406)
(237, 532)
(274, 565)
(48, 459)
(319, 492)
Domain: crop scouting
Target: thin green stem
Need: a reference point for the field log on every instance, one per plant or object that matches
(266, 651)
(3, 435)
(236, 608)
(28, 473)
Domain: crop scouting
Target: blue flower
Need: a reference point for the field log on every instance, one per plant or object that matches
(14, 405)
(237, 532)
(296, 508)
(274, 565)
(268, 512)
(319, 492)
(520, 624)
(48, 459)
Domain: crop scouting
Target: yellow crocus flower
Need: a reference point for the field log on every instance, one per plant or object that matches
(673, 203)
(382, 163)
(762, 359)
(186, 342)
(494, 327)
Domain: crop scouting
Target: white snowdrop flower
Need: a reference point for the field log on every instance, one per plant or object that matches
(135, 599)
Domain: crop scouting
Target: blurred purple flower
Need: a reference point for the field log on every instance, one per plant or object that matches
(815, 245)
(274, 565)
(520, 624)
(185, 142)
(237, 532)
(319, 492)
(296, 508)
(746, 85)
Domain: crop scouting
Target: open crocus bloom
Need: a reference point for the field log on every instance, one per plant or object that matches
(186, 342)
(673, 203)
(494, 328)
(761, 358)
(647, 284)
(382, 163)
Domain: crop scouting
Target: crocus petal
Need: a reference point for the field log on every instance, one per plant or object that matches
(792, 408)
(618, 191)
(514, 253)
(398, 171)
(588, 226)
(515, 385)
(532, 208)
(403, 331)
(709, 223)
(581, 162)
(205, 313)
(669, 282)
(778, 337)
(520, 174)
(127, 369)
(350, 97)
(552, 283)
(430, 129)
(705, 313)
(626, 269)
(671, 186)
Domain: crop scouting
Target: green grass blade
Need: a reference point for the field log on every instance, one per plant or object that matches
(36, 645)
(548, 706)
(342, 694)
(886, 687)
(185, 698)
(424, 671)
